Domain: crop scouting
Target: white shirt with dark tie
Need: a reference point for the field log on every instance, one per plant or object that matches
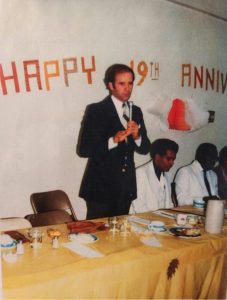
(190, 183)
(120, 110)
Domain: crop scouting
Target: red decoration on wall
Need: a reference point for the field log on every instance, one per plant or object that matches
(176, 116)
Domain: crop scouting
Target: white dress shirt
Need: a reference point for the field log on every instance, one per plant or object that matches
(118, 105)
(190, 183)
(152, 193)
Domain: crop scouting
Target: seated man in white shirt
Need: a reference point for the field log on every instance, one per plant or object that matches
(190, 180)
(153, 183)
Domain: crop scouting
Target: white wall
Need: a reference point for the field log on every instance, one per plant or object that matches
(39, 128)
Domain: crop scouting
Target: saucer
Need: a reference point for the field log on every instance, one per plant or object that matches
(154, 229)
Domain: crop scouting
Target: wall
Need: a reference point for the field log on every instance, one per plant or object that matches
(53, 57)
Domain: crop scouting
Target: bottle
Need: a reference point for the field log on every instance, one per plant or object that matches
(55, 243)
(20, 248)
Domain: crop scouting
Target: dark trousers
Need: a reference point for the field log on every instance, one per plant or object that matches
(107, 209)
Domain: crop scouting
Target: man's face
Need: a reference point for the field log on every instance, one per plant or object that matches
(209, 160)
(165, 162)
(122, 87)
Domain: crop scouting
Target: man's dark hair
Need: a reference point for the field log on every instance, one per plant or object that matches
(205, 150)
(222, 155)
(115, 69)
(160, 146)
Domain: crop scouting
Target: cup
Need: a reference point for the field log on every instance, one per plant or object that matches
(193, 220)
(181, 219)
(156, 226)
(198, 203)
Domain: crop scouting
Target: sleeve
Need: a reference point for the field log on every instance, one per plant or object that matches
(144, 202)
(93, 139)
(182, 181)
(144, 146)
(169, 202)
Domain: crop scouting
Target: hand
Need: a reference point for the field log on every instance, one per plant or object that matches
(121, 136)
(133, 129)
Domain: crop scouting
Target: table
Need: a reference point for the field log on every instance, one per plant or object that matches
(181, 268)
(192, 210)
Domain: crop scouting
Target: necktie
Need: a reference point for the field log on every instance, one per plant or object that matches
(207, 183)
(124, 105)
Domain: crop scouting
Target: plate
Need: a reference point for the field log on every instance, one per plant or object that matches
(184, 232)
(83, 238)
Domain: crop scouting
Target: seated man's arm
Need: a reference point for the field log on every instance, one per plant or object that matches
(183, 188)
(145, 197)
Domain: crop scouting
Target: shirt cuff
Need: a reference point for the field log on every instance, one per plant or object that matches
(138, 141)
(111, 144)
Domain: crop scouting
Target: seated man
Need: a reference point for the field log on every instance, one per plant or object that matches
(153, 183)
(198, 180)
(221, 171)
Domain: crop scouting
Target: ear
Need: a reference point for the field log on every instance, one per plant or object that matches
(156, 158)
(110, 85)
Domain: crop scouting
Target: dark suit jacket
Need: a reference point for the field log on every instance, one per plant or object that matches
(108, 172)
(222, 183)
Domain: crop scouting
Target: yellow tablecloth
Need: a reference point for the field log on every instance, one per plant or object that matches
(181, 268)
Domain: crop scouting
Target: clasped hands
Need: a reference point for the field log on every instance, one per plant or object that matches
(132, 129)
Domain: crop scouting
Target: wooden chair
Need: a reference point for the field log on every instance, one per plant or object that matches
(52, 200)
(49, 218)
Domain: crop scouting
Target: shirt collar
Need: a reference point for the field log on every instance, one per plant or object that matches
(198, 165)
(118, 104)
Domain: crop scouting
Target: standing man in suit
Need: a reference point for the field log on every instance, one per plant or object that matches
(198, 179)
(109, 142)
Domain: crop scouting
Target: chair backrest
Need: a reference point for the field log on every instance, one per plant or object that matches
(51, 200)
(49, 218)
(174, 194)
(173, 189)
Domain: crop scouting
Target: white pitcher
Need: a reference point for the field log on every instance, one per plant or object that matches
(215, 213)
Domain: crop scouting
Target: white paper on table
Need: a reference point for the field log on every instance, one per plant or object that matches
(82, 250)
(138, 220)
(138, 228)
(164, 214)
(151, 241)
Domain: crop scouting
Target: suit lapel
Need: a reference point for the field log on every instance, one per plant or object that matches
(112, 115)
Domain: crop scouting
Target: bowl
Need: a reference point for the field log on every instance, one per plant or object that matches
(7, 243)
(198, 203)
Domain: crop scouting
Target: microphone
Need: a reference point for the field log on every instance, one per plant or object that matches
(130, 110)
